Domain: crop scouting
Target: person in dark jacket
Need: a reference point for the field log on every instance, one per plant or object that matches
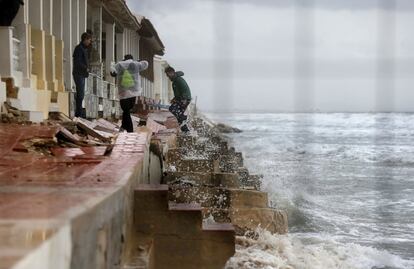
(80, 71)
(182, 97)
(9, 10)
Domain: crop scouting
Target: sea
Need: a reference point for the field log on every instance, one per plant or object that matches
(346, 182)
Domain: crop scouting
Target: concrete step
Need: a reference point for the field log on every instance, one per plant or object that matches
(140, 253)
(151, 197)
(180, 240)
(204, 179)
(235, 157)
(210, 250)
(248, 198)
(196, 165)
(175, 154)
(153, 214)
(247, 180)
(246, 219)
(185, 141)
(249, 218)
(229, 166)
(206, 196)
(217, 197)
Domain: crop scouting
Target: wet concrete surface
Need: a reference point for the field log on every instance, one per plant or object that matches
(41, 193)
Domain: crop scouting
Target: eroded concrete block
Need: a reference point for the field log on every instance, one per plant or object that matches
(249, 218)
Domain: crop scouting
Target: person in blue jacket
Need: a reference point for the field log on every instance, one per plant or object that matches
(81, 71)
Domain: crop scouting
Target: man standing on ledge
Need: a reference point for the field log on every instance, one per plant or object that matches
(129, 86)
(80, 71)
(182, 97)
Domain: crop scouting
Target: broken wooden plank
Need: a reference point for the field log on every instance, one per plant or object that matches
(108, 124)
(59, 116)
(105, 126)
(66, 135)
(89, 128)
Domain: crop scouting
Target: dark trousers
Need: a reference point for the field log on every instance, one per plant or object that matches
(80, 94)
(178, 109)
(127, 105)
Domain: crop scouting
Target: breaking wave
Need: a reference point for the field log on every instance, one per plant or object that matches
(292, 251)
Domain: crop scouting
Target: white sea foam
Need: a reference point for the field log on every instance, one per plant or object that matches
(270, 251)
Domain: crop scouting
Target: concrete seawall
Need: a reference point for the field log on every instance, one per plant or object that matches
(67, 211)
(109, 211)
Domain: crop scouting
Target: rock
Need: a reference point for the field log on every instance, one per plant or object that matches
(226, 129)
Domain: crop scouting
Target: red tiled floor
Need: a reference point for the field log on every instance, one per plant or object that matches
(70, 166)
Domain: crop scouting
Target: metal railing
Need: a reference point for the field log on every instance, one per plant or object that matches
(101, 98)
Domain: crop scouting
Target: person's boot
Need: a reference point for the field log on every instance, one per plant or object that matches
(185, 129)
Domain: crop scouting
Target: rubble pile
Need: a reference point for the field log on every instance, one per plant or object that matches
(11, 114)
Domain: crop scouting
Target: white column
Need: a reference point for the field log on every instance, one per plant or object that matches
(48, 16)
(59, 43)
(136, 45)
(126, 41)
(58, 19)
(83, 11)
(131, 41)
(36, 14)
(67, 38)
(120, 52)
(126, 49)
(96, 14)
(75, 22)
(6, 52)
(38, 41)
(22, 32)
(110, 48)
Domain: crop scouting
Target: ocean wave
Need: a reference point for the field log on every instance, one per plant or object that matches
(292, 251)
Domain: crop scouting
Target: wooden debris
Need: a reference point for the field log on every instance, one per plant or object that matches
(59, 116)
(70, 126)
(105, 126)
(66, 135)
(89, 128)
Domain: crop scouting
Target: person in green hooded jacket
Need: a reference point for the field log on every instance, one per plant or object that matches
(182, 97)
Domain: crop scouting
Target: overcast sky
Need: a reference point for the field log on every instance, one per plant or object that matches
(287, 55)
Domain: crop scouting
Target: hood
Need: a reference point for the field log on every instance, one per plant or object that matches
(125, 64)
(179, 74)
